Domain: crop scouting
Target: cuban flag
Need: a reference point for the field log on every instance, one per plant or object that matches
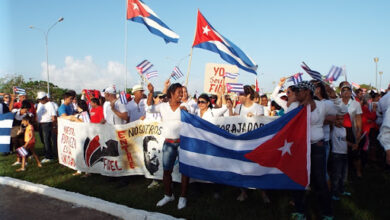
(5, 131)
(334, 73)
(176, 73)
(122, 96)
(355, 85)
(19, 90)
(314, 74)
(208, 38)
(235, 87)
(275, 156)
(296, 78)
(139, 12)
(144, 66)
(151, 74)
(231, 75)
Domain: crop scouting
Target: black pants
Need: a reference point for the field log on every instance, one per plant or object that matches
(45, 133)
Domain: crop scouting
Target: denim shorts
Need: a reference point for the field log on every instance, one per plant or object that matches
(170, 153)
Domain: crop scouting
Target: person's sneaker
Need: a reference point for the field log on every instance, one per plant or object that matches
(165, 200)
(153, 184)
(298, 216)
(16, 163)
(182, 203)
(335, 198)
(45, 160)
(346, 193)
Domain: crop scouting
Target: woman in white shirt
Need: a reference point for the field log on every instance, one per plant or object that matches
(248, 107)
(171, 121)
(291, 91)
(318, 115)
(205, 108)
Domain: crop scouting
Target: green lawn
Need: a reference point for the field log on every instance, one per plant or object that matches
(370, 195)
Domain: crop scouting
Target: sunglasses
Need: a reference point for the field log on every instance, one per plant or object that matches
(202, 102)
(6, 97)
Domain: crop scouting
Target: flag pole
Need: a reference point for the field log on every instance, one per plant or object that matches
(125, 58)
(189, 67)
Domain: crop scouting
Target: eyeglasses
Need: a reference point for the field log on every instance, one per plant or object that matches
(202, 102)
(6, 97)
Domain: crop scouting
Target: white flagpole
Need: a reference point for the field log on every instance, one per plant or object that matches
(125, 58)
(189, 67)
(345, 73)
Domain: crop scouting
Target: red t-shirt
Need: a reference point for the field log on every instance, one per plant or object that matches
(96, 114)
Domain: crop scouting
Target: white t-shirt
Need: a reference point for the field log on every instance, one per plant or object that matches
(317, 118)
(171, 120)
(192, 106)
(18, 116)
(255, 109)
(292, 106)
(213, 112)
(45, 112)
(136, 111)
(110, 116)
(274, 96)
(331, 110)
(354, 109)
(339, 140)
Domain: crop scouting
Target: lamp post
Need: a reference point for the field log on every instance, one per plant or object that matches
(376, 59)
(46, 35)
(380, 80)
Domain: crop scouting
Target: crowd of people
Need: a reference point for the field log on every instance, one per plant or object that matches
(349, 128)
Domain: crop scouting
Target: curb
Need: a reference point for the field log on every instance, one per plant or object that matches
(113, 209)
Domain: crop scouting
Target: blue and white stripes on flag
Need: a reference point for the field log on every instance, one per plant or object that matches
(19, 90)
(296, 78)
(122, 96)
(151, 74)
(139, 12)
(85, 117)
(212, 154)
(314, 74)
(334, 73)
(231, 75)
(21, 151)
(144, 66)
(6, 121)
(235, 87)
(176, 73)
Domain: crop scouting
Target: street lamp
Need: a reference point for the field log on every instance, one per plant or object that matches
(376, 59)
(46, 35)
(380, 80)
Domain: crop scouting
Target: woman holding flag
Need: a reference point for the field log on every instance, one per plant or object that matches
(171, 120)
(206, 110)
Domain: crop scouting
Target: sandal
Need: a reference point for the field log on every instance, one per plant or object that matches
(20, 170)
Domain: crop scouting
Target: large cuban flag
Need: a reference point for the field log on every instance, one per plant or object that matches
(5, 131)
(139, 12)
(275, 156)
(208, 38)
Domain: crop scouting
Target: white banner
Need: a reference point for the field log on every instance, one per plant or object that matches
(130, 149)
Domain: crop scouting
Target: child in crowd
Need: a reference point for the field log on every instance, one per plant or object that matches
(29, 144)
(339, 159)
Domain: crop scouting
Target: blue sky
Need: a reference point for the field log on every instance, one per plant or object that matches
(86, 50)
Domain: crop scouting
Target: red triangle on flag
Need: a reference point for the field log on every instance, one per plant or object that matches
(135, 9)
(204, 31)
(287, 150)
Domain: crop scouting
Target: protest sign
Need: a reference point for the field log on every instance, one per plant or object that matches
(213, 76)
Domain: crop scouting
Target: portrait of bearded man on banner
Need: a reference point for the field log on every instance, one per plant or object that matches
(151, 154)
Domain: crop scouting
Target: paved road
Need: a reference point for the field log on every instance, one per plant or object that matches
(19, 204)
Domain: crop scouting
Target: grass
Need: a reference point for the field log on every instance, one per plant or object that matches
(370, 195)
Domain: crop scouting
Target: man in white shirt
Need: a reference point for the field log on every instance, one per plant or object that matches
(45, 117)
(114, 111)
(136, 108)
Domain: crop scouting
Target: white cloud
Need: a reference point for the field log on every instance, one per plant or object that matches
(84, 73)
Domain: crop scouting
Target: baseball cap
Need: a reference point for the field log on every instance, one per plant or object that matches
(137, 88)
(41, 95)
(110, 90)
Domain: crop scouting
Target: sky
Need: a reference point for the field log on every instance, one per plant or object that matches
(86, 49)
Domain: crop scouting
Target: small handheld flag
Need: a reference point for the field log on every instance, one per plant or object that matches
(151, 74)
(231, 75)
(18, 90)
(144, 66)
(176, 73)
(122, 97)
(334, 73)
(355, 85)
(208, 38)
(314, 74)
(296, 78)
(139, 12)
(235, 87)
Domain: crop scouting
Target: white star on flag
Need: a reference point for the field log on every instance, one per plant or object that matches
(206, 30)
(286, 147)
(135, 6)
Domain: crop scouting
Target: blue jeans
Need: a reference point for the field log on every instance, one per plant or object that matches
(318, 181)
(45, 133)
(170, 153)
(339, 164)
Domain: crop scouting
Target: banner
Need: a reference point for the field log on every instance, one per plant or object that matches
(5, 131)
(130, 149)
(213, 76)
